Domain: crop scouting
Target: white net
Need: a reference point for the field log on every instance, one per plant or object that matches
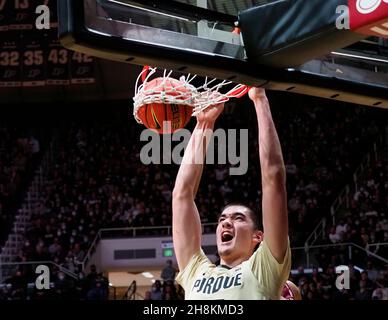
(181, 92)
(209, 94)
(167, 91)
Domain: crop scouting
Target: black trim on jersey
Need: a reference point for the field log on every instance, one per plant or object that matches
(224, 266)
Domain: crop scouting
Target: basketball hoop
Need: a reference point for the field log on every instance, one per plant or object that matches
(210, 94)
(170, 91)
(165, 91)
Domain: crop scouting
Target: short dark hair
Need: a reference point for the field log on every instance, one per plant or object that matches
(253, 215)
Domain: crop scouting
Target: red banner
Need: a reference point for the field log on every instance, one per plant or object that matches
(369, 17)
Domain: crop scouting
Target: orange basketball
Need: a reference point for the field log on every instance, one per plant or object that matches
(290, 291)
(162, 117)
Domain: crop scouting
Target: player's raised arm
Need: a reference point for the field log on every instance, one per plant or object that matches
(274, 204)
(185, 217)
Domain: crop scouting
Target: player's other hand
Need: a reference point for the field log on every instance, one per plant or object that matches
(257, 94)
(211, 113)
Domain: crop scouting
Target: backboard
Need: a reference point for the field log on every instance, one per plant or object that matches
(196, 36)
(185, 35)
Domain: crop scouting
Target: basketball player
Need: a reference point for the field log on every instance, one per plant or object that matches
(243, 273)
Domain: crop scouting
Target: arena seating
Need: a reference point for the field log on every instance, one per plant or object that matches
(97, 180)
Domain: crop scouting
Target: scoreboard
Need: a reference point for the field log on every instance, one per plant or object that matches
(32, 56)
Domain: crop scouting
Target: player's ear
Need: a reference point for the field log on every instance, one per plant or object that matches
(258, 236)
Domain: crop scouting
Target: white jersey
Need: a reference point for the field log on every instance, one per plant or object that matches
(260, 277)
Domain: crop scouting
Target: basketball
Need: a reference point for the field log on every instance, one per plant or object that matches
(161, 117)
(154, 115)
(291, 291)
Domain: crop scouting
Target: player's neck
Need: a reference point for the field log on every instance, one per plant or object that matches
(231, 263)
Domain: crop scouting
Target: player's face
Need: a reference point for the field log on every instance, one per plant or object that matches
(236, 234)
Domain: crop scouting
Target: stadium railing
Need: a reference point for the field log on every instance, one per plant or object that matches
(7, 269)
(350, 252)
(344, 196)
(22, 219)
(351, 188)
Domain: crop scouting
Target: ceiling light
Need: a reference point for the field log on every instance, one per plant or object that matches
(147, 275)
(150, 10)
(361, 57)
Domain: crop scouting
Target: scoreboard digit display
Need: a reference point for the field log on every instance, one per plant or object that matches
(4, 14)
(10, 65)
(21, 15)
(58, 72)
(32, 56)
(82, 68)
(33, 63)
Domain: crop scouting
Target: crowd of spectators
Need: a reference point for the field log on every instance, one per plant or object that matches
(166, 290)
(19, 153)
(366, 220)
(364, 284)
(22, 286)
(97, 180)
(365, 224)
